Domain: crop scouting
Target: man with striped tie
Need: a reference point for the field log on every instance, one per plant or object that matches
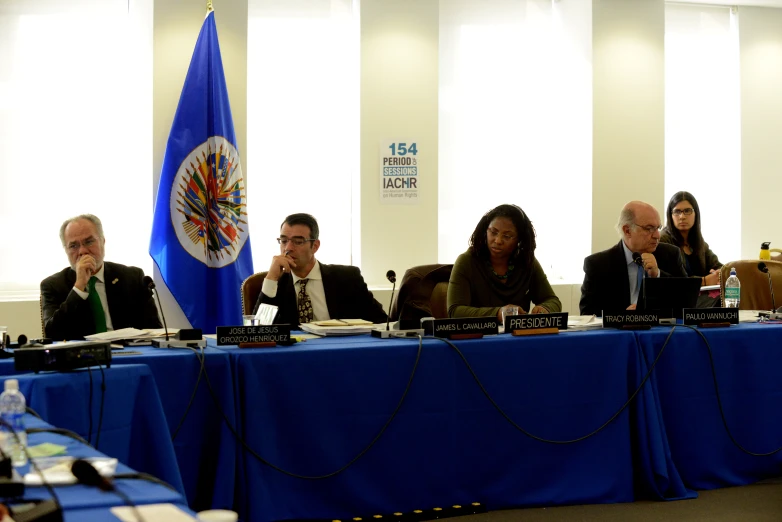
(306, 290)
(93, 296)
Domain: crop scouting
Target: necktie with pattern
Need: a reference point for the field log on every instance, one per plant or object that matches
(305, 304)
(95, 305)
(638, 282)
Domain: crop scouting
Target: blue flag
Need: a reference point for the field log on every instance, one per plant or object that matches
(200, 236)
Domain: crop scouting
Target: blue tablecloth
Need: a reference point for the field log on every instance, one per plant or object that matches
(134, 426)
(89, 502)
(748, 364)
(310, 408)
(205, 449)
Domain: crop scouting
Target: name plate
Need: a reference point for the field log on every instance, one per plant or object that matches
(630, 319)
(465, 327)
(536, 322)
(696, 316)
(272, 333)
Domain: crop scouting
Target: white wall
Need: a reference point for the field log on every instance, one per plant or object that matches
(760, 44)
(628, 160)
(399, 100)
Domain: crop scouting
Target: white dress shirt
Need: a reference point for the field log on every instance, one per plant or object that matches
(320, 312)
(100, 288)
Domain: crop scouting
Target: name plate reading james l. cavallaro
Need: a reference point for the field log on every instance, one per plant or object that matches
(272, 333)
(696, 316)
(630, 319)
(536, 322)
(465, 327)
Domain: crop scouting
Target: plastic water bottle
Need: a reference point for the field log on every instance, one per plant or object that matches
(12, 409)
(732, 290)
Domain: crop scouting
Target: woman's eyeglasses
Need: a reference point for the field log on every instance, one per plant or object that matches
(686, 211)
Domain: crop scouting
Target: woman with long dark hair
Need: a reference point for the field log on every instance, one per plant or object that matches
(683, 229)
(499, 269)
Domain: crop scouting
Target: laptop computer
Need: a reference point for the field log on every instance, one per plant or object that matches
(669, 295)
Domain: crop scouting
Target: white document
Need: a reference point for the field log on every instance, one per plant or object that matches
(131, 333)
(152, 513)
(345, 329)
(581, 322)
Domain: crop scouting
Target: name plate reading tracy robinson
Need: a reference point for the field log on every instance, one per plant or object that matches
(272, 333)
(696, 316)
(536, 322)
(465, 327)
(630, 319)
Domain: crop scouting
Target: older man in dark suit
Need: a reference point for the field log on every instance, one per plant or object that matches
(93, 296)
(305, 289)
(612, 278)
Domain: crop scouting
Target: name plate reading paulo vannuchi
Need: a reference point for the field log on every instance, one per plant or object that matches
(698, 316)
(536, 322)
(630, 319)
(273, 333)
(465, 327)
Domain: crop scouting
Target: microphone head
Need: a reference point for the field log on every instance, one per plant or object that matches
(391, 276)
(89, 476)
(762, 267)
(22, 339)
(148, 282)
(637, 259)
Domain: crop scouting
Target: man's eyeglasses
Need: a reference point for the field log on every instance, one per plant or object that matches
(493, 232)
(686, 211)
(296, 240)
(74, 246)
(649, 229)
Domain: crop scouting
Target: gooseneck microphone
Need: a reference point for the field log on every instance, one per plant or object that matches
(151, 285)
(86, 474)
(763, 268)
(391, 276)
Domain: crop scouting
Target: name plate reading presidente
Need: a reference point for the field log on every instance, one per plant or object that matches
(630, 319)
(536, 322)
(271, 333)
(697, 316)
(465, 327)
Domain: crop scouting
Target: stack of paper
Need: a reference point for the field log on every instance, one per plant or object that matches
(582, 322)
(131, 334)
(338, 327)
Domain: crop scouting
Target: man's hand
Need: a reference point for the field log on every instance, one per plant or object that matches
(85, 269)
(280, 265)
(631, 307)
(650, 265)
(539, 310)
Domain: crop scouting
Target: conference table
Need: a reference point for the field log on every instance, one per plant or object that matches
(311, 408)
(204, 448)
(86, 503)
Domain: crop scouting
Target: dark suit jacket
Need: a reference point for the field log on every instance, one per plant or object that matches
(347, 296)
(606, 284)
(67, 316)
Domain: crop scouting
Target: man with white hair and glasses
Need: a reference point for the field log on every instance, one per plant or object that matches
(612, 278)
(306, 290)
(92, 296)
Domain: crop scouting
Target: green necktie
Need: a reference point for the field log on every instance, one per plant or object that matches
(95, 305)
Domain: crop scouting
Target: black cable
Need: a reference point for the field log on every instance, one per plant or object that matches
(719, 400)
(192, 398)
(32, 412)
(102, 403)
(89, 407)
(34, 465)
(59, 431)
(547, 441)
(352, 461)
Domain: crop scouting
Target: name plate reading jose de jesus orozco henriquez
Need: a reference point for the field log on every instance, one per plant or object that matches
(278, 333)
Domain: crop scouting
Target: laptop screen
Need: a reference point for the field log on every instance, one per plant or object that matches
(669, 295)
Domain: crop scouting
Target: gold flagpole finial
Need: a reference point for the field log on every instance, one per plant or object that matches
(209, 8)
